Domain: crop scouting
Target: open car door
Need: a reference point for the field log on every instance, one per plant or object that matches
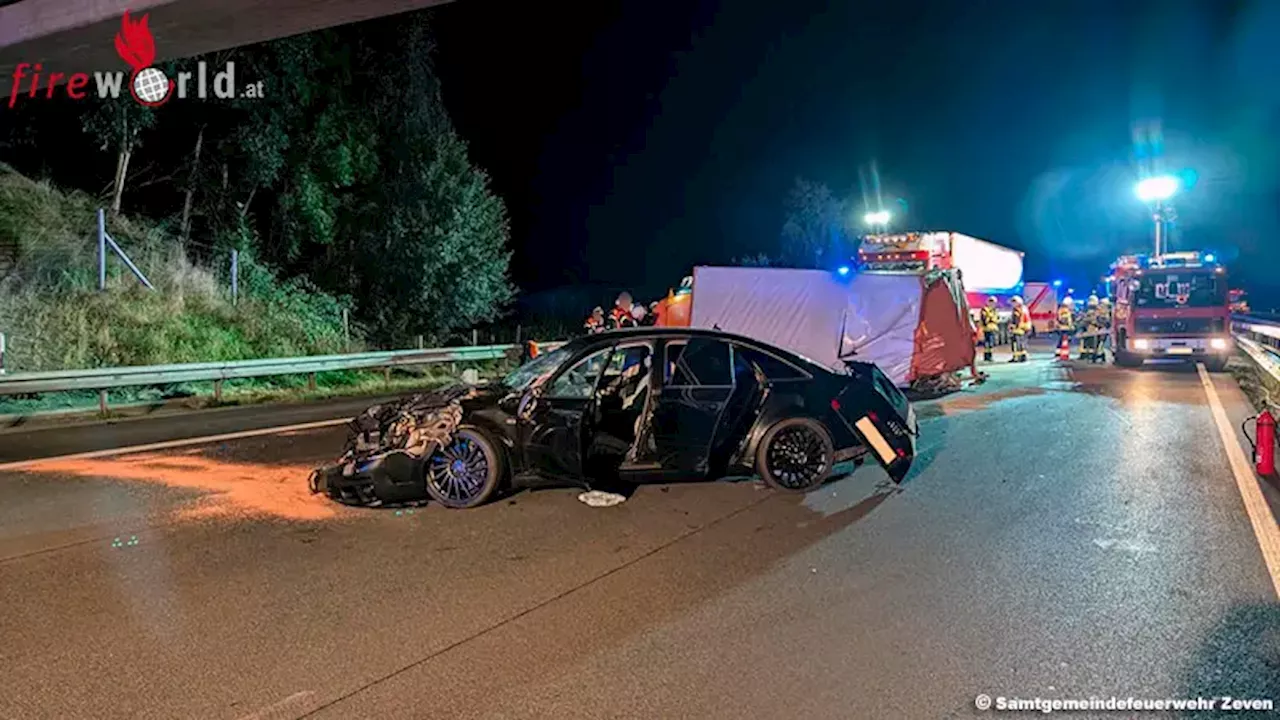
(557, 423)
(881, 417)
(696, 386)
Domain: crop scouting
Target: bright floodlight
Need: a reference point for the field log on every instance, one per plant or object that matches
(844, 270)
(1161, 187)
(877, 218)
(1057, 283)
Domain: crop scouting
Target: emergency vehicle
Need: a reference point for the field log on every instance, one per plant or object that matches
(987, 270)
(1171, 306)
(1238, 301)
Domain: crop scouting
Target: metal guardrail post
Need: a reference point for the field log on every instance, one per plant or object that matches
(1, 353)
(102, 402)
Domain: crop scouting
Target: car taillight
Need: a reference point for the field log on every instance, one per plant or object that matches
(835, 405)
(873, 416)
(902, 453)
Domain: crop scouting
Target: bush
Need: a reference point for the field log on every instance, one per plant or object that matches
(55, 317)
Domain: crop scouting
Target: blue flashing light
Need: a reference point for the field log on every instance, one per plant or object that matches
(844, 270)
(1210, 258)
(1057, 283)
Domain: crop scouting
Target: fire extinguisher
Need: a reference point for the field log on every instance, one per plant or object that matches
(1264, 447)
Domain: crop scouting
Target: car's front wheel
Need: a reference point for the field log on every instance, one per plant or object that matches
(466, 471)
(795, 455)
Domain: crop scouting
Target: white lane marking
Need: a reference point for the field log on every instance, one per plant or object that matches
(1264, 523)
(275, 707)
(169, 444)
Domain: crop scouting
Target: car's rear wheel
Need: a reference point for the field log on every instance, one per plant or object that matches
(466, 471)
(795, 455)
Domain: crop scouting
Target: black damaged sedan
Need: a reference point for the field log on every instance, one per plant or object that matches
(631, 406)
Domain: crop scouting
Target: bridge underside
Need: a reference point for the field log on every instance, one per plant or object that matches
(78, 36)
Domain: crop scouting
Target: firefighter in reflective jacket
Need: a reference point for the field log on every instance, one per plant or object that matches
(990, 323)
(1066, 320)
(595, 321)
(621, 316)
(1104, 324)
(1090, 324)
(1019, 326)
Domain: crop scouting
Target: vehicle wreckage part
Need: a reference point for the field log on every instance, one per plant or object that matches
(387, 446)
(464, 471)
(795, 455)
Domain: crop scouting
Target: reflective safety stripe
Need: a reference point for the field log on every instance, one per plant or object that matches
(873, 436)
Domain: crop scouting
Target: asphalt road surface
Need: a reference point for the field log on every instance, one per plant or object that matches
(1067, 532)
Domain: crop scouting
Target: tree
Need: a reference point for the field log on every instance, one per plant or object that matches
(435, 236)
(757, 260)
(117, 124)
(349, 176)
(815, 231)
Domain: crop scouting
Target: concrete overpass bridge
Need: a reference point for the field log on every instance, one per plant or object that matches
(78, 35)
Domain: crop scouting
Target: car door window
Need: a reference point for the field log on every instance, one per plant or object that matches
(627, 358)
(699, 363)
(774, 369)
(579, 381)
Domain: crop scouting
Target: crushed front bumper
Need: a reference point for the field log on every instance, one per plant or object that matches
(394, 477)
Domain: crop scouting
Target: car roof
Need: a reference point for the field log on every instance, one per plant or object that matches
(654, 333)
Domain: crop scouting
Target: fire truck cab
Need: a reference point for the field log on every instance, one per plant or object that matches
(1172, 306)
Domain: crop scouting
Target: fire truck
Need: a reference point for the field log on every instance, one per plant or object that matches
(987, 270)
(1171, 306)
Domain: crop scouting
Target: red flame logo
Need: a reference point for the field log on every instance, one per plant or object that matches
(134, 42)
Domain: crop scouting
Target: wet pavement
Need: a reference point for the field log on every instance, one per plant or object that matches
(1066, 532)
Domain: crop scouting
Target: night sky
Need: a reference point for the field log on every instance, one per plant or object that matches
(633, 140)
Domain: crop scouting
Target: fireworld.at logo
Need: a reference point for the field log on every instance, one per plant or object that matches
(148, 84)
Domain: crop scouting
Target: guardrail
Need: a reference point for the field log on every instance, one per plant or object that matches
(1259, 337)
(105, 379)
(1259, 328)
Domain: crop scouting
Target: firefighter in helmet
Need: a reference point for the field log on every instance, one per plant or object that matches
(1090, 325)
(990, 323)
(1066, 321)
(1104, 322)
(1019, 326)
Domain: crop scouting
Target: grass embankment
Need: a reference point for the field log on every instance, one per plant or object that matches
(55, 317)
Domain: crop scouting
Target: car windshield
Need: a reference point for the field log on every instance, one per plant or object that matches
(1185, 289)
(522, 377)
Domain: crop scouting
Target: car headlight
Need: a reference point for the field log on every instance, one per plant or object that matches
(1218, 343)
(1141, 344)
